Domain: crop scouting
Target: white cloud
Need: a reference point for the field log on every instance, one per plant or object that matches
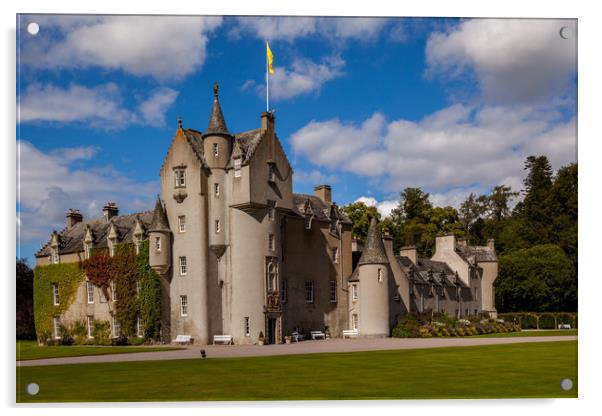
(291, 28)
(49, 184)
(164, 47)
(314, 177)
(514, 60)
(100, 106)
(304, 77)
(457, 147)
(383, 207)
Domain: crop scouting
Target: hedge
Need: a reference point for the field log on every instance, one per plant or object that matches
(541, 320)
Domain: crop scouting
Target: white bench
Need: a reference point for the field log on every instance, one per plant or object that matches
(564, 326)
(317, 334)
(222, 339)
(295, 336)
(350, 333)
(182, 339)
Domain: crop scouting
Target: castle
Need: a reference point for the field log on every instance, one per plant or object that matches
(240, 254)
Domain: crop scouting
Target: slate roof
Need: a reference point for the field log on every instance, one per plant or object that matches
(320, 209)
(248, 142)
(425, 268)
(473, 254)
(374, 249)
(159, 221)
(217, 124)
(72, 241)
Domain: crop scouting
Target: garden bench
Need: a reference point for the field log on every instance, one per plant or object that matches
(182, 339)
(295, 336)
(564, 326)
(222, 339)
(350, 333)
(317, 334)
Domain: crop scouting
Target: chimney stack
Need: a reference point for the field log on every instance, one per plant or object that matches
(267, 121)
(73, 217)
(324, 192)
(409, 252)
(388, 243)
(110, 210)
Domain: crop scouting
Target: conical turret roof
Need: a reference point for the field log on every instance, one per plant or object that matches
(159, 221)
(374, 249)
(217, 124)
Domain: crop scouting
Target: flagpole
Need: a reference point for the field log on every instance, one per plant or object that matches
(267, 80)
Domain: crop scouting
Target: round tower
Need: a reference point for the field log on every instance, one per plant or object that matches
(217, 141)
(159, 234)
(373, 276)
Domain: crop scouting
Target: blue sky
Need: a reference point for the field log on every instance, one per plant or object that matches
(370, 106)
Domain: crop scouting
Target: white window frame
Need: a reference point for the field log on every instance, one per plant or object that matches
(180, 178)
(90, 326)
(55, 294)
(182, 223)
(355, 294)
(183, 265)
(217, 227)
(157, 244)
(139, 327)
(54, 256)
(308, 220)
(56, 326)
(355, 322)
(113, 291)
(247, 326)
(271, 242)
(116, 327)
(89, 291)
(333, 291)
(183, 305)
(237, 167)
(216, 189)
(309, 291)
(87, 250)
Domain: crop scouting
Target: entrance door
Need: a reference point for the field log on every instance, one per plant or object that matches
(271, 330)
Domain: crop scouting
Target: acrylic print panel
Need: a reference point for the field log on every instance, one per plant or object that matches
(212, 200)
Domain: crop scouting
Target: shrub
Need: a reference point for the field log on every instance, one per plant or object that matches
(120, 340)
(406, 327)
(136, 341)
(528, 321)
(547, 321)
(101, 331)
(460, 331)
(424, 332)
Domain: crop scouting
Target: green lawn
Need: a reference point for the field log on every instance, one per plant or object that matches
(534, 333)
(29, 350)
(514, 370)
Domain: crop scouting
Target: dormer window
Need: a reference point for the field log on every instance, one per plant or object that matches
(111, 244)
(237, 167)
(180, 177)
(215, 149)
(87, 250)
(54, 256)
(137, 244)
(271, 172)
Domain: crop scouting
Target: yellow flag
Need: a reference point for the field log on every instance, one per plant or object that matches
(270, 58)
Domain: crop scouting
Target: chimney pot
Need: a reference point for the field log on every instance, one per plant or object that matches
(110, 210)
(324, 192)
(73, 217)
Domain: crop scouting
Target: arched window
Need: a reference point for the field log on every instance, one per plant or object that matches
(272, 276)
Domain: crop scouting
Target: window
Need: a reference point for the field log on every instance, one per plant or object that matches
(180, 178)
(56, 322)
(87, 250)
(283, 292)
(308, 222)
(237, 166)
(396, 297)
(333, 291)
(216, 189)
(466, 312)
(184, 305)
(89, 326)
(158, 244)
(271, 172)
(476, 293)
(183, 266)
(217, 227)
(90, 291)
(111, 244)
(272, 275)
(182, 223)
(271, 214)
(137, 245)
(271, 242)
(247, 327)
(379, 275)
(113, 291)
(476, 311)
(116, 327)
(335, 255)
(140, 327)
(309, 292)
(355, 322)
(215, 149)
(54, 256)
(354, 292)
(55, 294)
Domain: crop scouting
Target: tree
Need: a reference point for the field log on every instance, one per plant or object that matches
(538, 185)
(473, 209)
(360, 215)
(538, 279)
(499, 202)
(25, 323)
(414, 204)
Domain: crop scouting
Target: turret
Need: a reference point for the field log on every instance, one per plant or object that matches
(373, 276)
(159, 236)
(217, 141)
